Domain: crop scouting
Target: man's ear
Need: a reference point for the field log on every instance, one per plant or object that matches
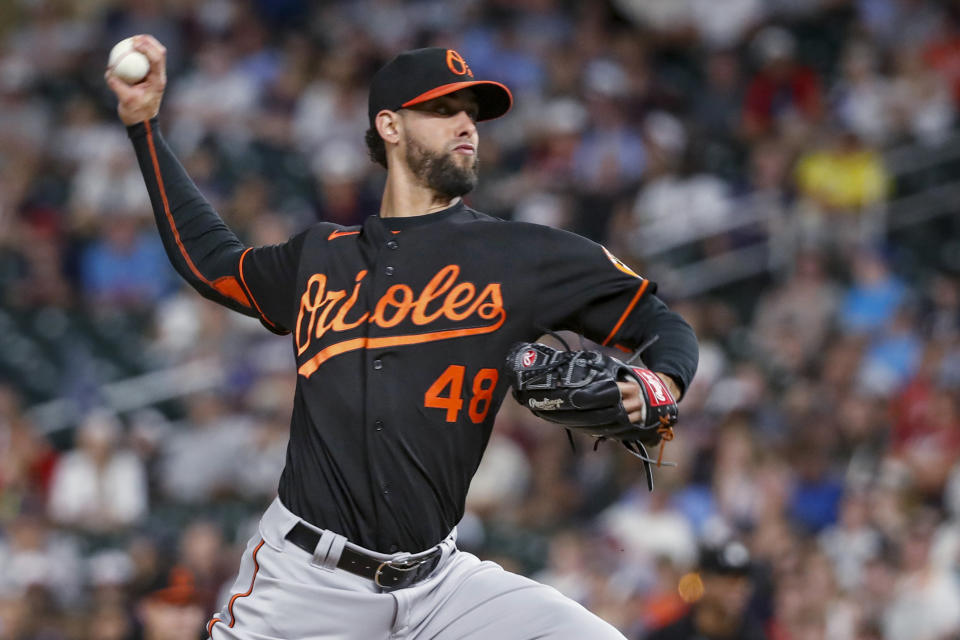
(388, 125)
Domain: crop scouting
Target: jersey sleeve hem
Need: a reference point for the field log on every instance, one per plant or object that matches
(269, 324)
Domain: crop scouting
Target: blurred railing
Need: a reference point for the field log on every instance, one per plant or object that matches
(131, 393)
(762, 233)
(746, 242)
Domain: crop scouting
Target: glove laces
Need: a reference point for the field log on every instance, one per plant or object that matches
(666, 435)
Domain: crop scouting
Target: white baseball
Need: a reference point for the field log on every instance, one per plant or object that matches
(128, 64)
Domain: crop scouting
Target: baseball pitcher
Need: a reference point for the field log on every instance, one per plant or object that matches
(408, 330)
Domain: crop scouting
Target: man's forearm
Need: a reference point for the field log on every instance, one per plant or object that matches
(200, 246)
(675, 353)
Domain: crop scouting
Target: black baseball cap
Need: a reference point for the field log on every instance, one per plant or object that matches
(730, 558)
(424, 74)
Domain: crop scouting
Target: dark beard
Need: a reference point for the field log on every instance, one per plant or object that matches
(439, 172)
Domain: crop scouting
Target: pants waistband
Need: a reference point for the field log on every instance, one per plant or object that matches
(278, 521)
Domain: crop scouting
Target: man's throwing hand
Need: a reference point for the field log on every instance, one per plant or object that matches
(141, 101)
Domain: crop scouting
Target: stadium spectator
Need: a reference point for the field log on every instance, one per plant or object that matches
(717, 108)
(840, 180)
(802, 309)
(900, 23)
(925, 596)
(127, 266)
(612, 153)
(109, 622)
(649, 527)
(922, 105)
(35, 556)
(851, 542)
(175, 612)
(100, 486)
(201, 552)
(942, 52)
(677, 203)
(873, 297)
(26, 459)
(783, 95)
(198, 461)
(721, 592)
(862, 99)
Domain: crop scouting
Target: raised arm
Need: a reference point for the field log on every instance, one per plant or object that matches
(203, 250)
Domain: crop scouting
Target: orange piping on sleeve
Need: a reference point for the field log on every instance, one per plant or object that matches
(626, 312)
(221, 287)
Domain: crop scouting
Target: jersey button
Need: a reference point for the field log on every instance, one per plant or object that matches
(393, 245)
(378, 425)
(393, 548)
(388, 271)
(378, 364)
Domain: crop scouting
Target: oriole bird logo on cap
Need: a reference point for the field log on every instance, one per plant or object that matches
(457, 64)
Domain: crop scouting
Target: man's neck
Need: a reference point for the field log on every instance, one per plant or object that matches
(404, 197)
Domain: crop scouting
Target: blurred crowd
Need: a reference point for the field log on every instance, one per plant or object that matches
(817, 487)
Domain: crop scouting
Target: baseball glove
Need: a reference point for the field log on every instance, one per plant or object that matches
(578, 389)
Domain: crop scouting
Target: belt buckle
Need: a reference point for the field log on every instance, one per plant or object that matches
(400, 563)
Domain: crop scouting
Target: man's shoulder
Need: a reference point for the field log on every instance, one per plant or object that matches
(323, 231)
(526, 235)
(468, 214)
(514, 226)
(511, 232)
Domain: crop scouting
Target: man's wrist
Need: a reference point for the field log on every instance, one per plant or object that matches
(671, 384)
(139, 129)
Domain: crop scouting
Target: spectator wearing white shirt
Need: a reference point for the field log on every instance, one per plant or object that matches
(98, 487)
(851, 542)
(198, 462)
(922, 106)
(33, 555)
(926, 596)
(862, 98)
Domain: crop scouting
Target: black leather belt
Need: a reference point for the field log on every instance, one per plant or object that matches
(388, 575)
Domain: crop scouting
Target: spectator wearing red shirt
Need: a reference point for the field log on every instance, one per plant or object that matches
(926, 429)
(783, 93)
(942, 54)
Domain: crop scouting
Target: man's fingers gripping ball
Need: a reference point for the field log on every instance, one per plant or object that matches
(136, 73)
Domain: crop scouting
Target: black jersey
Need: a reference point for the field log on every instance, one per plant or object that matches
(400, 328)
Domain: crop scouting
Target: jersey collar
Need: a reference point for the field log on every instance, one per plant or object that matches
(399, 224)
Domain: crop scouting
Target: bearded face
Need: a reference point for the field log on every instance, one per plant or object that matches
(442, 172)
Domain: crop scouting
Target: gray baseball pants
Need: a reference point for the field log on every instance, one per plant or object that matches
(284, 593)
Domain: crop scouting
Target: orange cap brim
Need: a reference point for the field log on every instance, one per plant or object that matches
(488, 111)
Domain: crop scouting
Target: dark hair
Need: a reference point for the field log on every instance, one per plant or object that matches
(376, 147)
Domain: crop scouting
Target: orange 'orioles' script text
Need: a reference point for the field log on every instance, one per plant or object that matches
(323, 310)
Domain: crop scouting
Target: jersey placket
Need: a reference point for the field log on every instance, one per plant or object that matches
(385, 251)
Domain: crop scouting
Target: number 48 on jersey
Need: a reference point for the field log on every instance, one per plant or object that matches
(446, 393)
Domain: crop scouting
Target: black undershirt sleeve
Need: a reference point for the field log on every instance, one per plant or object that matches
(675, 350)
(584, 288)
(257, 282)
